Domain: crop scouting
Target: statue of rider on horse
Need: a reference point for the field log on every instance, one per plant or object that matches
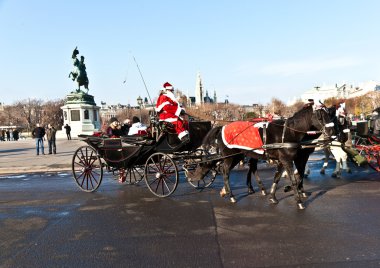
(79, 73)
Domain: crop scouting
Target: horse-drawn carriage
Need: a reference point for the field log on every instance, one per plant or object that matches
(158, 159)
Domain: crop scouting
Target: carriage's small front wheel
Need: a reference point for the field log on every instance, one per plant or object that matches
(87, 169)
(161, 174)
(192, 164)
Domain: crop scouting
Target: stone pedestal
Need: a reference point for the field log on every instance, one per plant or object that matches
(81, 114)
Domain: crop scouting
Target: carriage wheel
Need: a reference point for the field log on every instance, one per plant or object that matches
(161, 174)
(134, 174)
(373, 158)
(87, 169)
(208, 178)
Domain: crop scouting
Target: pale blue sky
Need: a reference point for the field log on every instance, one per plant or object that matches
(249, 50)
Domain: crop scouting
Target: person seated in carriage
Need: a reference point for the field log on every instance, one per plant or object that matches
(137, 128)
(169, 110)
(114, 128)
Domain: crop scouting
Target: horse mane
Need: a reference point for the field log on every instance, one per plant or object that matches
(302, 115)
(209, 139)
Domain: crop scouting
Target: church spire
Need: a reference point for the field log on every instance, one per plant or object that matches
(199, 90)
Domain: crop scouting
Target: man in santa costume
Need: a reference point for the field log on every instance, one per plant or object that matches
(169, 110)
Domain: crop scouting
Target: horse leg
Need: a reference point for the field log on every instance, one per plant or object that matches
(337, 172)
(276, 179)
(307, 171)
(337, 155)
(325, 161)
(260, 183)
(226, 190)
(344, 162)
(295, 184)
(252, 168)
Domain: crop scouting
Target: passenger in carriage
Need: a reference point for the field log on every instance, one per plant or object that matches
(169, 110)
(126, 126)
(114, 128)
(137, 128)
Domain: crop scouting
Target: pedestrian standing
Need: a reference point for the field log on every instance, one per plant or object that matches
(68, 131)
(39, 133)
(50, 136)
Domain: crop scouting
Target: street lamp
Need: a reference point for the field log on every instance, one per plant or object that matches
(140, 102)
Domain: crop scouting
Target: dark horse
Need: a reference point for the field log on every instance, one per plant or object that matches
(329, 146)
(282, 141)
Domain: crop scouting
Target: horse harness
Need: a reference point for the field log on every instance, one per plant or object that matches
(282, 144)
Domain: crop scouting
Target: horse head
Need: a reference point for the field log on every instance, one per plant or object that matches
(322, 121)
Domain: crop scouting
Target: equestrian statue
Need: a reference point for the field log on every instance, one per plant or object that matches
(79, 73)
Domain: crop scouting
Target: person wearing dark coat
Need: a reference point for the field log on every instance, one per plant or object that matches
(50, 136)
(39, 133)
(68, 131)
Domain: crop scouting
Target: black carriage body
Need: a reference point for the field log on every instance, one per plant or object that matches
(121, 152)
(126, 152)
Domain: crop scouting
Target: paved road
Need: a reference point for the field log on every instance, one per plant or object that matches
(46, 221)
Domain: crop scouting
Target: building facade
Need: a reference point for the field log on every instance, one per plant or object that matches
(340, 91)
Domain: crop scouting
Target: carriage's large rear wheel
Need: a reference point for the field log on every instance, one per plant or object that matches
(161, 174)
(87, 169)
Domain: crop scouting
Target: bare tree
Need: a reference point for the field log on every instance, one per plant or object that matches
(277, 106)
(30, 110)
(52, 113)
(294, 107)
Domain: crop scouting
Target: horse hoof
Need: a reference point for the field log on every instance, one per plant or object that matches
(349, 170)
(334, 175)
(301, 206)
(322, 172)
(287, 188)
(263, 192)
(223, 192)
(273, 200)
(232, 199)
(251, 191)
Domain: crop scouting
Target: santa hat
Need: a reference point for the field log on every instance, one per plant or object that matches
(168, 86)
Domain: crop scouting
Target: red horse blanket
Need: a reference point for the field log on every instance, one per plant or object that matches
(242, 135)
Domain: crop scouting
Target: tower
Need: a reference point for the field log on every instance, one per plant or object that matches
(199, 90)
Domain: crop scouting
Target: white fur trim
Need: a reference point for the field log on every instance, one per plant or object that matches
(177, 113)
(162, 105)
(330, 124)
(171, 96)
(261, 124)
(170, 120)
(347, 130)
(182, 134)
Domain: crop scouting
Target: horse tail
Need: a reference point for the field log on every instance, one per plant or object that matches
(211, 136)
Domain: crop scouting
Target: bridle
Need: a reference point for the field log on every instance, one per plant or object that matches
(322, 122)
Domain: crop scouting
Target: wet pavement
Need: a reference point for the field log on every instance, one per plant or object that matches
(47, 221)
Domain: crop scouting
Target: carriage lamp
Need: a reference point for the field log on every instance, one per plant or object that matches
(140, 102)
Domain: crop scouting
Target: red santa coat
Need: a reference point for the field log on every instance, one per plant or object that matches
(168, 107)
(169, 110)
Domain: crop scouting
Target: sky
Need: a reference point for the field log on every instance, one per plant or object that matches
(247, 51)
